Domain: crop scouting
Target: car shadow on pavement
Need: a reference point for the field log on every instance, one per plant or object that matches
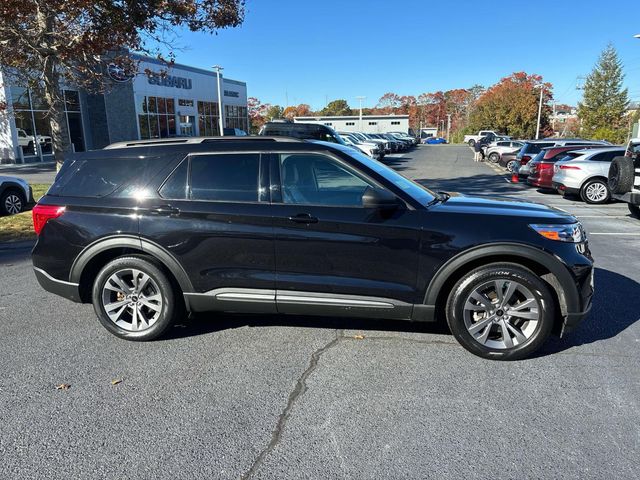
(616, 306)
(398, 164)
(482, 185)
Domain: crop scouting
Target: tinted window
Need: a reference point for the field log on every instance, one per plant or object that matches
(226, 177)
(605, 156)
(503, 144)
(101, 177)
(317, 179)
(176, 185)
(533, 148)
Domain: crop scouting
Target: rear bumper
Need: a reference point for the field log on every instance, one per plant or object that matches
(65, 289)
(564, 190)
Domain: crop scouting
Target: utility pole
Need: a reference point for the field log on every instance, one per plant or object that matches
(360, 99)
(448, 126)
(541, 87)
(218, 68)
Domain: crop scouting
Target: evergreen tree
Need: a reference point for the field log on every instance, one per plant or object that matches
(603, 107)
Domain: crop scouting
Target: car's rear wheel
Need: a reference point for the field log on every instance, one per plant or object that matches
(595, 191)
(134, 299)
(494, 157)
(501, 311)
(635, 210)
(511, 166)
(12, 202)
(472, 143)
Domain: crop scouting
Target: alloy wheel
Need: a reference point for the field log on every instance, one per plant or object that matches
(596, 192)
(501, 314)
(132, 300)
(13, 204)
(511, 166)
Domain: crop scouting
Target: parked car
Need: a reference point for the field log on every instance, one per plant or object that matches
(367, 139)
(15, 195)
(496, 149)
(541, 167)
(624, 177)
(147, 230)
(509, 161)
(400, 145)
(407, 137)
(234, 132)
(584, 172)
(27, 142)
(532, 147)
(435, 140)
(309, 131)
(370, 149)
(472, 139)
(386, 144)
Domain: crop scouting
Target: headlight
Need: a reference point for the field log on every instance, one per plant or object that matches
(571, 232)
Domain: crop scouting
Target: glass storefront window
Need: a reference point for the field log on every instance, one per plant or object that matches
(43, 132)
(151, 104)
(20, 98)
(72, 101)
(154, 130)
(171, 107)
(162, 105)
(143, 123)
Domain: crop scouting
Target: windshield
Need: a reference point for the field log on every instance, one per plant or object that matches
(416, 191)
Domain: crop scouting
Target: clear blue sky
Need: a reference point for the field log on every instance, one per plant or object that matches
(312, 50)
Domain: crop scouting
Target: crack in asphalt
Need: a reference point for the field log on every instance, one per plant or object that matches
(301, 388)
(298, 391)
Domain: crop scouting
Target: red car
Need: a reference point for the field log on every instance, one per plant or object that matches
(542, 164)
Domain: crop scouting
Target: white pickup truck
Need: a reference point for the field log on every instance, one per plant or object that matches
(26, 141)
(472, 139)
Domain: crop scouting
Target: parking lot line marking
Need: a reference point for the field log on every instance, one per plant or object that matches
(615, 233)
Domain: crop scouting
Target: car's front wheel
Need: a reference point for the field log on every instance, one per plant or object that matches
(134, 299)
(12, 202)
(595, 191)
(501, 311)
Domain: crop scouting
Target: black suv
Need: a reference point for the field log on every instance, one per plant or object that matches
(149, 230)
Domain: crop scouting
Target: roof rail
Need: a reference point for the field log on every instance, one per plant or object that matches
(197, 140)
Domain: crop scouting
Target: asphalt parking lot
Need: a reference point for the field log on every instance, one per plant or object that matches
(239, 396)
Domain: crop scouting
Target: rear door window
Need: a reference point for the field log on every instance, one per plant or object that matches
(224, 177)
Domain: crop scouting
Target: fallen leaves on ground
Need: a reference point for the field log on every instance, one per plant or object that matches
(116, 381)
(359, 337)
(63, 386)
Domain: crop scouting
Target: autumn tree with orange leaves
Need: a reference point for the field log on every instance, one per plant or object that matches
(45, 44)
(511, 107)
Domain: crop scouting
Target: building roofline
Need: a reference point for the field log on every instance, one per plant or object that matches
(352, 117)
(189, 68)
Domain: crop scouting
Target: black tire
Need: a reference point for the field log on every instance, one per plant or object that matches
(587, 195)
(472, 143)
(621, 173)
(494, 157)
(486, 275)
(635, 210)
(170, 306)
(511, 165)
(12, 202)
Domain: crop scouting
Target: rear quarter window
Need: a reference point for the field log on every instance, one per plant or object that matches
(101, 177)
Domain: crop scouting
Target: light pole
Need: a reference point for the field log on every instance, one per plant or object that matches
(448, 126)
(218, 68)
(360, 99)
(541, 87)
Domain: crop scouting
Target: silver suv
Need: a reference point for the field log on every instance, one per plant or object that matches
(15, 195)
(584, 173)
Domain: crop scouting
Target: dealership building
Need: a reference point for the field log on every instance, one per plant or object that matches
(368, 123)
(158, 102)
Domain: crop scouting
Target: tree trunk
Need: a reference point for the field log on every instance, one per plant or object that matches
(57, 116)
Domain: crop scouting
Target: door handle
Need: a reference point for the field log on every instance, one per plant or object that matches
(164, 210)
(303, 218)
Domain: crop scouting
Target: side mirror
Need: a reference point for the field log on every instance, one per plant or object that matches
(379, 199)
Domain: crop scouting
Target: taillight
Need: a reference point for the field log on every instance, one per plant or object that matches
(569, 167)
(544, 166)
(525, 159)
(43, 213)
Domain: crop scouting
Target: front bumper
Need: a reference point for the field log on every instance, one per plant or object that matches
(59, 287)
